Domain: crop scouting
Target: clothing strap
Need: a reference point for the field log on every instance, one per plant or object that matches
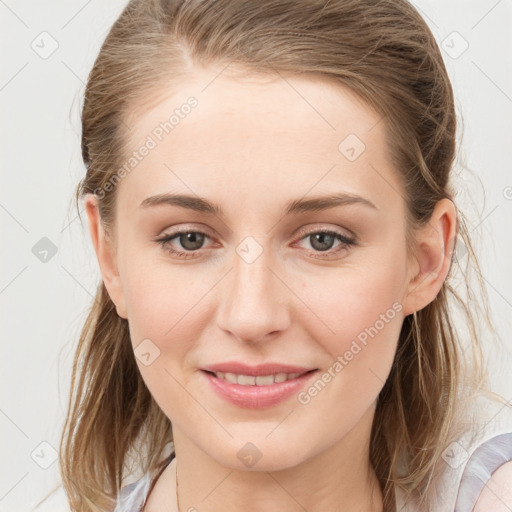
(484, 461)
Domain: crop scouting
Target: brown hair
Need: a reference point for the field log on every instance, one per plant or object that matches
(385, 53)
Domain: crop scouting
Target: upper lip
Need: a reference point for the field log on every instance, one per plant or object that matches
(260, 369)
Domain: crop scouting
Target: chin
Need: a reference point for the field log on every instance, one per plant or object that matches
(260, 456)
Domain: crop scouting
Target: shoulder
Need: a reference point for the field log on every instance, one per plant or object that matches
(497, 493)
(487, 479)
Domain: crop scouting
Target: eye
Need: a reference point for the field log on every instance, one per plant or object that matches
(322, 241)
(190, 240)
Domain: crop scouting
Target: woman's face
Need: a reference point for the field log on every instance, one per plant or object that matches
(259, 284)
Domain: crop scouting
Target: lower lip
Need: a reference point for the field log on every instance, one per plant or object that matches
(257, 397)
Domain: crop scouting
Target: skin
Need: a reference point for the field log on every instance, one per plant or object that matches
(251, 145)
(497, 493)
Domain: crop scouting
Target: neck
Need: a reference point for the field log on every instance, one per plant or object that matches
(338, 478)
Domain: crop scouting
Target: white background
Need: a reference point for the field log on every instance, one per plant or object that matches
(43, 305)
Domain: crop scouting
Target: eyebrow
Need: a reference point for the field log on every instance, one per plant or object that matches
(317, 203)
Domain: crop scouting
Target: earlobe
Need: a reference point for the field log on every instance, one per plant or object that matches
(105, 253)
(434, 248)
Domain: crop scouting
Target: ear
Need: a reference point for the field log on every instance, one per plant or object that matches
(105, 252)
(434, 245)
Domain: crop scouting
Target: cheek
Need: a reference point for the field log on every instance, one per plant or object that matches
(361, 317)
(351, 299)
(165, 319)
(161, 301)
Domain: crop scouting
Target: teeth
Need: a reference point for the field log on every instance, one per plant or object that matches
(260, 380)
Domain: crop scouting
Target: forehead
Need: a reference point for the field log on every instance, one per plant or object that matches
(254, 136)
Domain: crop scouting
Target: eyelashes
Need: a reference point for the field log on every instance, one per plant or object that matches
(318, 238)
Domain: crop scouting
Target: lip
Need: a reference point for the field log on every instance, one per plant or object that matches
(257, 397)
(255, 371)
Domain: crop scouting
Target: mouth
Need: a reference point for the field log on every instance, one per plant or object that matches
(258, 380)
(257, 391)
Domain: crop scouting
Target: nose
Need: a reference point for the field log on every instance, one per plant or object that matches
(253, 302)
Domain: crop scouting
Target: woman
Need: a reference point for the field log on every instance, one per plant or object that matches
(269, 198)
